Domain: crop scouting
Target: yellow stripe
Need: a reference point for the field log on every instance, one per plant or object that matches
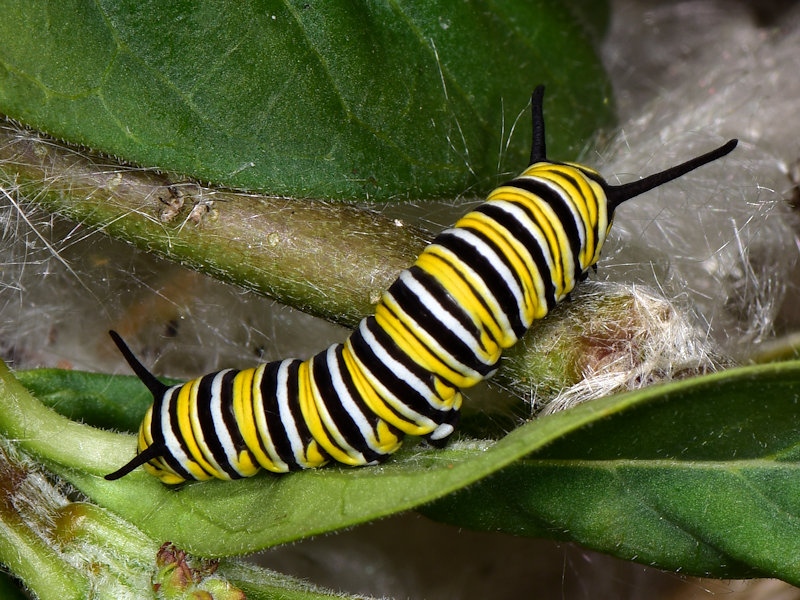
(339, 449)
(461, 275)
(500, 238)
(580, 197)
(456, 285)
(376, 403)
(144, 441)
(545, 219)
(403, 335)
(602, 221)
(450, 395)
(145, 433)
(157, 466)
(245, 419)
(314, 458)
(250, 416)
(311, 416)
(199, 467)
(581, 167)
(244, 462)
(387, 441)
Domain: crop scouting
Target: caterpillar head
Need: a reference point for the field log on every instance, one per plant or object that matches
(617, 194)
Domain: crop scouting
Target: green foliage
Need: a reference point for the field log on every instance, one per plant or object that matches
(331, 99)
(699, 475)
(9, 590)
(384, 101)
(106, 401)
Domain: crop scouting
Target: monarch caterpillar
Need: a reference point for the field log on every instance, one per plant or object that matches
(441, 326)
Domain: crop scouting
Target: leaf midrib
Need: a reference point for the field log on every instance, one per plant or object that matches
(659, 463)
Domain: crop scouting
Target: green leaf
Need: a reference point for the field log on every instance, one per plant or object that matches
(700, 476)
(106, 401)
(9, 590)
(223, 518)
(332, 99)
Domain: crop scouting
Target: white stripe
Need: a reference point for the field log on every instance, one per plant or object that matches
(223, 434)
(497, 264)
(568, 261)
(194, 419)
(573, 209)
(402, 373)
(521, 217)
(445, 316)
(348, 403)
(260, 416)
(442, 431)
(170, 439)
(286, 416)
(484, 292)
(430, 343)
(327, 420)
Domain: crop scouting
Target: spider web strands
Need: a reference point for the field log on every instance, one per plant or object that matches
(54, 251)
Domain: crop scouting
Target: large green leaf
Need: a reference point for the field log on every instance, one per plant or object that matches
(223, 518)
(330, 99)
(700, 476)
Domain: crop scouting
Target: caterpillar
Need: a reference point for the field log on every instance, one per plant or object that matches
(439, 328)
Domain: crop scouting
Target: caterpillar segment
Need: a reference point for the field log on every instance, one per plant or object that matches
(439, 328)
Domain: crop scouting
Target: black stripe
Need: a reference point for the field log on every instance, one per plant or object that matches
(443, 297)
(458, 273)
(269, 402)
(344, 423)
(598, 200)
(524, 235)
(231, 424)
(564, 213)
(411, 304)
(410, 358)
(342, 418)
(373, 419)
(272, 417)
(574, 181)
(157, 432)
(484, 269)
(503, 258)
(211, 436)
(173, 416)
(399, 387)
(269, 395)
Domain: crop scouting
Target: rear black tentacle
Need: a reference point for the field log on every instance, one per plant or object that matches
(538, 146)
(144, 456)
(153, 384)
(156, 388)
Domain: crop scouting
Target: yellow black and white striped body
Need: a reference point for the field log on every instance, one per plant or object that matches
(439, 328)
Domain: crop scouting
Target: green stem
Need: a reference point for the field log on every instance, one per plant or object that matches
(42, 432)
(331, 260)
(28, 556)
